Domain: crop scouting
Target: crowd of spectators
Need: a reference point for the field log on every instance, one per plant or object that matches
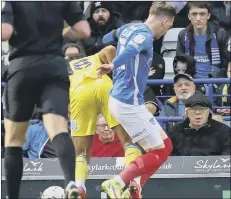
(203, 51)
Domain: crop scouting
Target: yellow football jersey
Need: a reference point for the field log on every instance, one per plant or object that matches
(84, 68)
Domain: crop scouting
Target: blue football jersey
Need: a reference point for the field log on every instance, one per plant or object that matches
(129, 80)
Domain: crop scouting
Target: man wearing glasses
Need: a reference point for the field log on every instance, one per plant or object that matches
(199, 134)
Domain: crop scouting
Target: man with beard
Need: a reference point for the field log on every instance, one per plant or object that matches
(184, 87)
(102, 20)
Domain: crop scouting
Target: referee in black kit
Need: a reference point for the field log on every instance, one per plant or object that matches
(38, 75)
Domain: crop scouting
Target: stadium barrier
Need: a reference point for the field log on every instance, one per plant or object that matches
(179, 177)
(209, 93)
(162, 119)
(208, 81)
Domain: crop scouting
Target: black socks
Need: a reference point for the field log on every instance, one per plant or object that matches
(65, 151)
(13, 168)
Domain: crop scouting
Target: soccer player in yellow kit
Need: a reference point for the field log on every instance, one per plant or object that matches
(89, 97)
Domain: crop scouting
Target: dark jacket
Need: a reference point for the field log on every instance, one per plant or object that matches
(223, 101)
(212, 139)
(132, 10)
(221, 37)
(170, 109)
(219, 16)
(150, 98)
(94, 43)
(158, 64)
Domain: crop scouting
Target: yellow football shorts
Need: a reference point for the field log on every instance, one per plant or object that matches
(89, 99)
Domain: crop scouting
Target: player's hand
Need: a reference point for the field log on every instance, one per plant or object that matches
(104, 69)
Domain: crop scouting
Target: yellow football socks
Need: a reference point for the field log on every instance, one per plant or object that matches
(81, 168)
(131, 153)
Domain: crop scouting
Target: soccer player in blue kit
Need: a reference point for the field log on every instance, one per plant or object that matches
(130, 73)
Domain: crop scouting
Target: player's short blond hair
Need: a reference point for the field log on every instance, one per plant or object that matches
(161, 8)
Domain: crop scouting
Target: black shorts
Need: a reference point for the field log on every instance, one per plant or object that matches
(36, 80)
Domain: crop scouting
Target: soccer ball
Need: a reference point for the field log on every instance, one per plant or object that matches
(53, 192)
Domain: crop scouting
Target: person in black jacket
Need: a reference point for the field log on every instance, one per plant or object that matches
(102, 20)
(199, 134)
(205, 41)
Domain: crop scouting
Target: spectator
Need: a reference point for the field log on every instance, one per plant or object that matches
(224, 89)
(157, 71)
(184, 87)
(105, 142)
(181, 64)
(204, 41)
(38, 144)
(102, 20)
(199, 134)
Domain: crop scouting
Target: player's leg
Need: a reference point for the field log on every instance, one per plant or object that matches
(139, 123)
(83, 115)
(19, 97)
(54, 102)
(168, 145)
(132, 151)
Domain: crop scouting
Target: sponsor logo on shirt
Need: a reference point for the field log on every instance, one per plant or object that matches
(202, 59)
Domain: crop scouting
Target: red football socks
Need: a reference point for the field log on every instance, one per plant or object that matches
(147, 164)
(145, 178)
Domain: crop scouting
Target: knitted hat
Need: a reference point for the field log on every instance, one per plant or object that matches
(100, 4)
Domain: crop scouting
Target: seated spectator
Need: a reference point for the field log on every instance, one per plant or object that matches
(38, 144)
(181, 64)
(157, 71)
(224, 89)
(102, 20)
(184, 88)
(105, 143)
(204, 41)
(199, 134)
